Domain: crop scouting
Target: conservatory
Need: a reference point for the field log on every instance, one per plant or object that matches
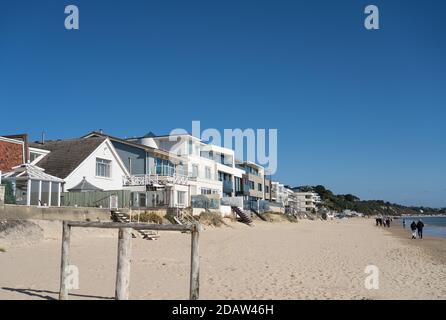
(33, 187)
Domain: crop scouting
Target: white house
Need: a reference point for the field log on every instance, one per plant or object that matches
(201, 171)
(93, 160)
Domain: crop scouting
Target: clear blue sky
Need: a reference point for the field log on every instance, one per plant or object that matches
(358, 111)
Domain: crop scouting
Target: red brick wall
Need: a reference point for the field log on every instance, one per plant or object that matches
(11, 155)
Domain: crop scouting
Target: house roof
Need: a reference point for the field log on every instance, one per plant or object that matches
(28, 171)
(158, 152)
(66, 155)
(84, 185)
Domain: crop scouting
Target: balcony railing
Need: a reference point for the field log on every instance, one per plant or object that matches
(160, 175)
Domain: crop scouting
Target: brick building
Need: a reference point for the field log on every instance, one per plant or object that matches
(12, 151)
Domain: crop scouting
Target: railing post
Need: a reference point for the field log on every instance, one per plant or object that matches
(65, 261)
(123, 268)
(195, 264)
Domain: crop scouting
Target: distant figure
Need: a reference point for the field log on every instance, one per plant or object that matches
(404, 223)
(413, 227)
(388, 222)
(377, 221)
(420, 226)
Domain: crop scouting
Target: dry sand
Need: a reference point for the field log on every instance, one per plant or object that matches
(307, 260)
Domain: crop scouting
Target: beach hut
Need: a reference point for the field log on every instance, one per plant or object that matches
(33, 187)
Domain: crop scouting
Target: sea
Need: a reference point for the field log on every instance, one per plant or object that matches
(433, 226)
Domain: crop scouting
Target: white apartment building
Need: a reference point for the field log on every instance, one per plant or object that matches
(278, 193)
(202, 171)
(227, 172)
(307, 201)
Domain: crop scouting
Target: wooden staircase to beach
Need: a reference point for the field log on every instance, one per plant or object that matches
(122, 217)
(182, 217)
(242, 215)
(258, 214)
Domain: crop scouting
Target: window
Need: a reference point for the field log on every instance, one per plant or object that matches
(251, 185)
(195, 171)
(260, 187)
(181, 198)
(238, 184)
(190, 145)
(103, 168)
(208, 173)
(205, 191)
(266, 189)
(33, 156)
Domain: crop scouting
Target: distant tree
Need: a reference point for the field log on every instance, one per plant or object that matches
(351, 198)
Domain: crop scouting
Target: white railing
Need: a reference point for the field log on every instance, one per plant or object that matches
(154, 179)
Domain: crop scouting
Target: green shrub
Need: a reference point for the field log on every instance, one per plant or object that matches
(9, 193)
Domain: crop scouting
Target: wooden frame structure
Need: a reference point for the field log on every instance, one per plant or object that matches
(124, 253)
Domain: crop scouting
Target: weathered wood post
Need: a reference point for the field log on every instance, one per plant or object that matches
(123, 268)
(195, 264)
(65, 261)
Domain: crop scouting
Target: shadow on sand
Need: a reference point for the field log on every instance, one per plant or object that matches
(45, 294)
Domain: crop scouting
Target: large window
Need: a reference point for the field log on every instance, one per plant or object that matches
(251, 185)
(195, 171)
(207, 171)
(103, 168)
(238, 184)
(260, 187)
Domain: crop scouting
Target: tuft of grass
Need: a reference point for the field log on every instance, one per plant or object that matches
(292, 219)
(211, 219)
(2, 249)
(151, 217)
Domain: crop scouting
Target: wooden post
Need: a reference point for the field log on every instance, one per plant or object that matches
(123, 269)
(65, 261)
(195, 264)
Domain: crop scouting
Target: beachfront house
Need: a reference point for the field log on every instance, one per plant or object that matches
(156, 178)
(201, 171)
(93, 160)
(253, 181)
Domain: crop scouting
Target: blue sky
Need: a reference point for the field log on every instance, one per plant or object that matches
(358, 111)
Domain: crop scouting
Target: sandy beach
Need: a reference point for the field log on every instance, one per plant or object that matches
(305, 260)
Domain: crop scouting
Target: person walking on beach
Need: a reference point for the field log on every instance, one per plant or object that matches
(413, 227)
(404, 223)
(420, 226)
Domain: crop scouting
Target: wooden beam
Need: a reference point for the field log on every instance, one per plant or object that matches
(195, 264)
(65, 261)
(133, 225)
(123, 270)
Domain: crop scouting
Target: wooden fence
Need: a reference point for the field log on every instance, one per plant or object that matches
(124, 253)
(95, 199)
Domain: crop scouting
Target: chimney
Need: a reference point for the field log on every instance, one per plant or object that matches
(43, 138)
(101, 131)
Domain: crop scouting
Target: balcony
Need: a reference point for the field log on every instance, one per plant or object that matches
(159, 176)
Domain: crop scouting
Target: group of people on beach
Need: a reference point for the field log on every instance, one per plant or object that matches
(416, 227)
(383, 221)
